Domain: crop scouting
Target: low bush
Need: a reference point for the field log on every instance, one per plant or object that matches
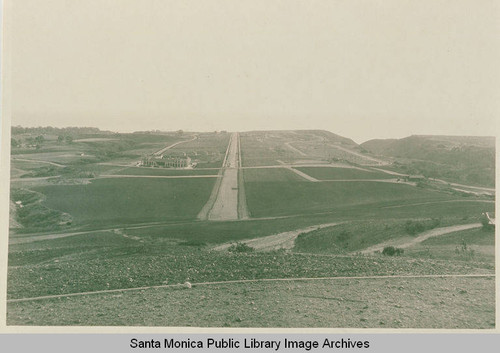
(415, 227)
(240, 247)
(392, 251)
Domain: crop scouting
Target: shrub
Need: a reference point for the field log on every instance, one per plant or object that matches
(464, 251)
(414, 227)
(192, 243)
(391, 251)
(240, 247)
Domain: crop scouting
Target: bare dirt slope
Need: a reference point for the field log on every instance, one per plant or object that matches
(283, 240)
(409, 241)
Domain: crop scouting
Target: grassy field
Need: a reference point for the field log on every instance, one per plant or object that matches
(163, 172)
(324, 173)
(259, 149)
(468, 245)
(270, 198)
(126, 201)
(270, 175)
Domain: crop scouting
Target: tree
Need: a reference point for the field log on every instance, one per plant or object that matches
(39, 139)
(14, 142)
(60, 138)
(69, 139)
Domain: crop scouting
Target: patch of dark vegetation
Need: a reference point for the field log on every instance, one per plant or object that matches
(487, 225)
(42, 172)
(33, 215)
(240, 247)
(192, 243)
(464, 251)
(414, 227)
(392, 251)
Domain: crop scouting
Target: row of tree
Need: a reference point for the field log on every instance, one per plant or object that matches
(49, 130)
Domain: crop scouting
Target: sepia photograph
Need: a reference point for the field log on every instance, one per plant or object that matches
(259, 164)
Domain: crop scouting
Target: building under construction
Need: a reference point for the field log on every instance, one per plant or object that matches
(166, 162)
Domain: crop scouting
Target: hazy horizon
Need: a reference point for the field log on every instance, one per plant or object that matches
(360, 69)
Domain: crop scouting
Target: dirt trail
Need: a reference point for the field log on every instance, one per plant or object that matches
(226, 204)
(434, 202)
(285, 240)
(303, 165)
(485, 190)
(157, 153)
(223, 202)
(35, 178)
(106, 176)
(39, 161)
(368, 158)
(243, 212)
(408, 241)
(290, 279)
(302, 174)
(287, 144)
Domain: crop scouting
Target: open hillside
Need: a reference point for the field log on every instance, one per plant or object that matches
(286, 228)
(462, 159)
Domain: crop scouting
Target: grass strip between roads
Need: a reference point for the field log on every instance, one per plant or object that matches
(243, 281)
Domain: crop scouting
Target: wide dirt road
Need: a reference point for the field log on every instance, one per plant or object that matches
(409, 241)
(226, 204)
(284, 240)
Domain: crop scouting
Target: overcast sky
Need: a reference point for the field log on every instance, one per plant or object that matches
(361, 69)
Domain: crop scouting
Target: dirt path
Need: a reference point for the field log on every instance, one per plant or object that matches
(408, 241)
(39, 161)
(368, 158)
(478, 275)
(287, 144)
(226, 204)
(106, 176)
(243, 212)
(33, 237)
(395, 181)
(285, 240)
(157, 153)
(434, 202)
(389, 172)
(303, 165)
(35, 179)
(490, 191)
(302, 174)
